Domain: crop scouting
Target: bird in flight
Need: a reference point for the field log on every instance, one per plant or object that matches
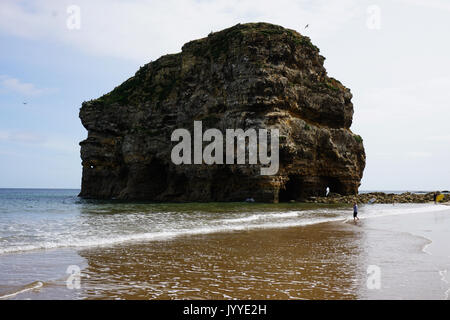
(307, 26)
(25, 103)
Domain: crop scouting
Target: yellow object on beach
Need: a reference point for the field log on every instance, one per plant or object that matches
(439, 198)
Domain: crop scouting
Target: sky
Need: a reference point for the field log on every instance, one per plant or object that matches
(393, 55)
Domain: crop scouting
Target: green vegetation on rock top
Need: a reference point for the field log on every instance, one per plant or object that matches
(155, 81)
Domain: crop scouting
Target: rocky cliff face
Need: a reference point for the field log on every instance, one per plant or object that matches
(248, 76)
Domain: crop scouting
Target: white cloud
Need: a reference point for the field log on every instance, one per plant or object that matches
(434, 4)
(62, 145)
(419, 154)
(145, 30)
(9, 154)
(4, 135)
(402, 155)
(10, 84)
(21, 137)
(442, 138)
(405, 129)
(412, 104)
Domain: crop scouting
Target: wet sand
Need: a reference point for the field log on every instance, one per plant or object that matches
(322, 261)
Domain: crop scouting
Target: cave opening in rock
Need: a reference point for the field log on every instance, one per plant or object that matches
(148, 181)
(332, 185)
(292, 190)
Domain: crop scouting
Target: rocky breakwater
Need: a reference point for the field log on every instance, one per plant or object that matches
(379, 197)
(250, 76)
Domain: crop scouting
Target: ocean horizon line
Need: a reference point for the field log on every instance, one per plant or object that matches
(360, 191)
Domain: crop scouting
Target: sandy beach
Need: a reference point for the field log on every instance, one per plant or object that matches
(319, 261)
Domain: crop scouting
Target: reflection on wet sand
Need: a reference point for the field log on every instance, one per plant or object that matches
(315, 262)
(321, 261)
(219, 250)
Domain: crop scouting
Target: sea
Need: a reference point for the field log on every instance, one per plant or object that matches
(139, 250)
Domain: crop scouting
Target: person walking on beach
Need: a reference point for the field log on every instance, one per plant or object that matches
(355, 212)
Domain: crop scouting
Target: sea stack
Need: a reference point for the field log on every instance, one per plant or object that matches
(254, 75)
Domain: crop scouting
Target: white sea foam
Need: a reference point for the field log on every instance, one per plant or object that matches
(32, 286)
(81, 238)
(391, 210)
(154, 236)
(265, 216)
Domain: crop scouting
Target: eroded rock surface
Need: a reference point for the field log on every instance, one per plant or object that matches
(248, 76)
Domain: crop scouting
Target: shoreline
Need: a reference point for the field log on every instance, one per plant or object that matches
(292, 211)
(326, 260)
